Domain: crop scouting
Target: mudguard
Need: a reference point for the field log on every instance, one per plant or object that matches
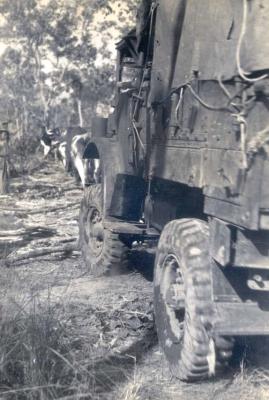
(123, 192)
(110, 155)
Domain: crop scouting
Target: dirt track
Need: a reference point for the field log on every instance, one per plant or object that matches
(106, 324)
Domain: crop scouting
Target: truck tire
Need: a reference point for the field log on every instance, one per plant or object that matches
(103, 251)
(182, 302)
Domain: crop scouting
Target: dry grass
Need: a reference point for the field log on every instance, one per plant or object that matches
(56, 345)
(250, 386)
(38, 358)
(153, 381)
(132, 391)
(64, 350)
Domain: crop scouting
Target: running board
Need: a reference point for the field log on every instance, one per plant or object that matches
(131, 228)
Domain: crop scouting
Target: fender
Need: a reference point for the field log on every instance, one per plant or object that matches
(124, 191)
(111, 160)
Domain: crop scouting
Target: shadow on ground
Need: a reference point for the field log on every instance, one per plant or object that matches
(142, 260)
(108, 373)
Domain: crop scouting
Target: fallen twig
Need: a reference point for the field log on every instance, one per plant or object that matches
(68, 248)
(28, 233)
(11, 233)
(39, 211)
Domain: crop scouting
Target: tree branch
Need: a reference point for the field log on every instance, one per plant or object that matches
(67, 249)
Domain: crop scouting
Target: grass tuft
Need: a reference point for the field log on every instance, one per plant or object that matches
(38, 359)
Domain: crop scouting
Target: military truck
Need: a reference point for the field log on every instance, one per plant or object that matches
(184, 161)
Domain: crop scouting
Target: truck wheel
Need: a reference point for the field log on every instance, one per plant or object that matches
(102, 250)
(182, 301)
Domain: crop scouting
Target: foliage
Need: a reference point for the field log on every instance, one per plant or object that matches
(58, 61)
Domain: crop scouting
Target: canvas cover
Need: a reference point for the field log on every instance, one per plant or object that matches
(201, 37)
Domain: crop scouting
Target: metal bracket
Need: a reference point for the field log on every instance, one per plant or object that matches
(130, 228)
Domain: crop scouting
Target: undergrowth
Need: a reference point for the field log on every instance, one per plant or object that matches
(38, 360)
(53, 346)
(25, 155)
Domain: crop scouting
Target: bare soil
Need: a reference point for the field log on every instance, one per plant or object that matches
(97, 335)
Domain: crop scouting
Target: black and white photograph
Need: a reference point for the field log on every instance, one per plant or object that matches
(134, 200)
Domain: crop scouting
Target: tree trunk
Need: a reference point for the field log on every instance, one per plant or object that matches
(79, 105)
(18, 128)
(4, 181)
(45, 102)
(4, 170)
(25, 115)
